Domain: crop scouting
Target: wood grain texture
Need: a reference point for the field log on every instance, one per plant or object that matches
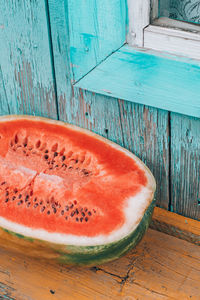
(179, 226)
(160, 267)
(26, 76)
(175, 41)
(139, 18)
(185, 165)
(96, 29)
(145, 77)
(145, 132)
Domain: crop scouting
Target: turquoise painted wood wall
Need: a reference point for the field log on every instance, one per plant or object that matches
(35, 78)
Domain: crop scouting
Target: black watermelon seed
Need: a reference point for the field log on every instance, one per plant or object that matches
(67, 208)
(20, 202)
(83, 214)
(28, 204)
(62, 212)
(7, 193)
(77, 212)
(43, 208)
(48, 212)
(20, 195)
(35, 199)
(72, 213)
(81, 219)
(77, 219)
(55, 154)
(36, 205)
(72, 206)
(15, 191)
(26, 199)
(54, 210)
(89, 213)
(13, 198)
(76, 161)
(7, 199)
(86, 209)
(46, 151)
(86, 219)
(46, 156)
(25, 145)
(56, 166)
(63, 158)
(41, 202)
(52, 292)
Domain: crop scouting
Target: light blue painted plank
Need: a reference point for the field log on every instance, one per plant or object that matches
(58, 13)
(149, 79)
(26, 78)
(185, 165)
(97, 28)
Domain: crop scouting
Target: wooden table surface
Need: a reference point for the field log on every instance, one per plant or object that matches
(160, 267)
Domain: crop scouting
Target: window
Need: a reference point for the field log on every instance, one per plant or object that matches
(166, 25)
(102, 62)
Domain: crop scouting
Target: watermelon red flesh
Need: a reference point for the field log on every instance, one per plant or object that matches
(65, 181)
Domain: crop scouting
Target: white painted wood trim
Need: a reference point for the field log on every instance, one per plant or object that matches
(154, 10)
(139, 18)
(175, 24)
(176, 41)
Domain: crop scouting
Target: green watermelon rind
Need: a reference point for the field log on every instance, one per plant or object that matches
(93, 255)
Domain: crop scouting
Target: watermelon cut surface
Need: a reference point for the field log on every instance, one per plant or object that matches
(69, 189)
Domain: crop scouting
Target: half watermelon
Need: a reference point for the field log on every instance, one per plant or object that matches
(69, 194)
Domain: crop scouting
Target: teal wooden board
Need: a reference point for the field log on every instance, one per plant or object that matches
(145, 132)
(58, 15)
(145, 78)
(26, 74)
(185, 165)
(97, 28)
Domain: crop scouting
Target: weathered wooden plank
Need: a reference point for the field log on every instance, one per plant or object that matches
(160, 267)
(185, 165)
(4, 107)
(145, 132)
(179, 226)
(96, 28)
(26, 75)
(145, 77)
(163, 269)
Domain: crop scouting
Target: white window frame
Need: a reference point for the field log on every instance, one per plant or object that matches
(162, 34)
